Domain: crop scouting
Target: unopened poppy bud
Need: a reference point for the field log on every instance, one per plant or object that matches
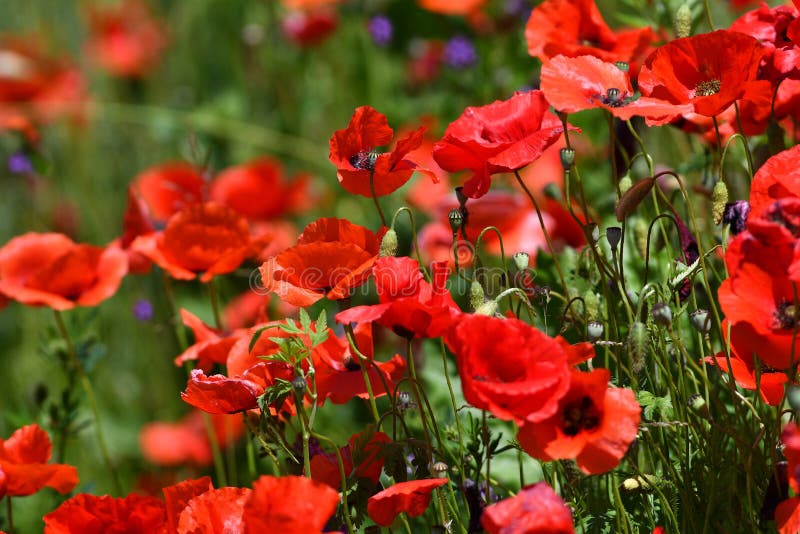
(662, 314)
(698, 404)
(594, 330)
(613, 236)
(299, 384)
(567, 158)
(683, 21)
(640, 483)
(640, 236)
(456, 218)
(551, 190)
(637, 342)
(793, 396)
(476, 296)
(487, 308)
(622, 65)
(439, 470)
(388, 243)
(625, 183)
(700, 321)
(719, 199)
(595, 233)
(521, 260)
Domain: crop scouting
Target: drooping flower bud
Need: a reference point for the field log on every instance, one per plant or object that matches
(476, 296)
(521, 260)
(625, 183)
(719, 199)
(793, 396)
(388, 243)
(640, 236)
(487, 308)
(662, 314)
(567, 158)
(594, 331)
(683, 21)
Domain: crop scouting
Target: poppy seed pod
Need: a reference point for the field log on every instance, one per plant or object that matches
(701, 321)
(793, 396)
(456, 218)
(622, 65)
(662, 314)
(388, 244)
(439, 470)
(567, 158)
(613, 235)
(594, 331)
(521, 260)
(299, 384)
(487, 308)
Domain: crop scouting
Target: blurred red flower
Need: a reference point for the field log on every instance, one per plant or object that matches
(409, 305)
(710, 71)
(536, 509)
(168, 188)
(126, 39)
(89, 513)
(412, 497)
(352, 151)
(51, 270)
(309, 27)
(186, 441)
(778, 177)
(289, 505)
(210, 345)
(576, 28)
(772, 27)
(202, 238)
(594, 424)
(503, 136)
(452, 7)
(24, 464)
(787, 514)
(362, 458)
(508, 367)
(332, 256)
(576, 83)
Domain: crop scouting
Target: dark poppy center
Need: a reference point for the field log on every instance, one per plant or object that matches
(613, 98)
(349, 363)
(786, 315)
(785, 218)
(580, 415)
(707, 88)
(364, 160)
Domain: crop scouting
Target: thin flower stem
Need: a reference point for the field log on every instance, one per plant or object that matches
(362, 361)
(455, 407)
(375, 196)
(544, 231)
(342, 478)
(747, 152)
(212, 295)
(707, 9)
(305, 432)
(87, 387)
(10, 515)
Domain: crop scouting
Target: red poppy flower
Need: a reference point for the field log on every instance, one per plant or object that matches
(576, 83)
(771, 27)
(710, 71)
(210, 345)
(770, 385)
(536, 509)
(219, 394)
(500, 137)
(177, 496)
(38, 87)
(136, 221)
(126, 40)
(778, 177)
(290, 505)
(409, 306)
(508, 367)
(787, 516)
(332, 256)
(338, 371)
(412, 497)
(186, 441)
(451, 7)
(51, 270)
(259, 190)
(23, 462)
(353, 153)
(248, 309)
(309, 27)
(216, 510)
(361, 457)
(202, 238)
(89, 513)
(308, 4)
(576, 28)
(168, 188)
(594, 424)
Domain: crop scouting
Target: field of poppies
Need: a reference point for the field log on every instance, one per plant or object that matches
(504, 266)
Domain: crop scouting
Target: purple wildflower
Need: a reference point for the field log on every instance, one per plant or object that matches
(459, 52)
(380, 28)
